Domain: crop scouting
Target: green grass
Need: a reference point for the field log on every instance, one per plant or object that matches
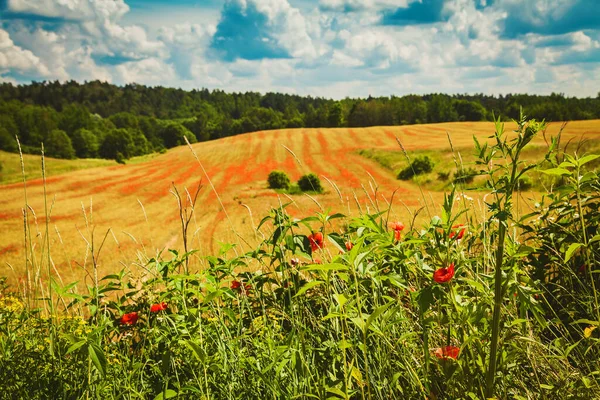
(11, 165)
(369, 313)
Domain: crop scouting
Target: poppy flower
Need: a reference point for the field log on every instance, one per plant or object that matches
(129, 318)
(237, 285)
(397, 235)
(457, 234)
(443, 353)
(158, 307)
(397, 226)
(316, 241)
(443, 275)
(349, 245)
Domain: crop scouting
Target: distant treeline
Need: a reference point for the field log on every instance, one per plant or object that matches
(97, 119)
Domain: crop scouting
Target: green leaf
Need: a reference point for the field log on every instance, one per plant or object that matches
(308, 286)
(198, 352)
(378, 311)
(557, 171)
(571, 250)
(76, 346)
(587, 159)
(167, 394)
(97, 356)
(587, 322)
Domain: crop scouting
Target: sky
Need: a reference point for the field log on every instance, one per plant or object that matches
(326, 48)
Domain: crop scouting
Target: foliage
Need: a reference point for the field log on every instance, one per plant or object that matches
(465, 175)
(278, 180)
(58, 145)
(420, 165)
(161, 114)
(310, 183)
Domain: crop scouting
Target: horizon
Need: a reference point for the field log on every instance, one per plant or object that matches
(325, 48)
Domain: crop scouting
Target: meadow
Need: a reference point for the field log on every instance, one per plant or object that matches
(377, 288)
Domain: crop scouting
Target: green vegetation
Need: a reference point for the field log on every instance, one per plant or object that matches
(419, 166)
(278, 180)
(466, 306)
(310, 183)
(155, 118)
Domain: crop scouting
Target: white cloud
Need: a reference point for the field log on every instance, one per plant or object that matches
(14, 58)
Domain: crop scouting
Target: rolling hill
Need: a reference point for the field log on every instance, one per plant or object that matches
(135, 203)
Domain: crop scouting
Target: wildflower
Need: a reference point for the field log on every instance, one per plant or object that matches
(457, 233)
(129, 318)
(587, 332)
(242, 288)
(295, 261)
(349, 245)
(443, 275)
(158, 307)
(316, 241)
(398, 227)
(444, 353)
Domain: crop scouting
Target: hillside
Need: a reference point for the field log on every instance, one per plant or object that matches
(135, 202)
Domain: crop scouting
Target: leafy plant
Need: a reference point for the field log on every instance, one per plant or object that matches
(278, 180)
(420, 165)
(310, 183)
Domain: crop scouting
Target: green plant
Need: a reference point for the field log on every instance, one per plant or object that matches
(420, 165)
(310, 183)
(465, 175)
(278, 180)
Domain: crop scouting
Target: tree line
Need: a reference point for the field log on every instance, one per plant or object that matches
(98, 119)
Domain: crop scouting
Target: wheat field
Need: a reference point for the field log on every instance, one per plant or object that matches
(130, 209)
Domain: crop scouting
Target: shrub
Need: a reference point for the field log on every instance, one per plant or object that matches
(420, 165)
(310, 182)
(524, 183)
(278, 180)
(443, 176)
(465, 175)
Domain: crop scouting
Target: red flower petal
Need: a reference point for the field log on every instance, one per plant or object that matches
(129, 318)
(443, 275)
(446, 352)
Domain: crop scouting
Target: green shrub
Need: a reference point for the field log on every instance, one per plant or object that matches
(466, 175)
(278, 180)
(310, 183)
(524, 183)
(420, 165)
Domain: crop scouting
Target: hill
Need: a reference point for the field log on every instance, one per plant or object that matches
(135, 203)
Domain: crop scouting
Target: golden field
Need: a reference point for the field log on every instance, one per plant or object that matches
(134, 202)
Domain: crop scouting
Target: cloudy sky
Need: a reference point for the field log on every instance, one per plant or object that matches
(331, 48)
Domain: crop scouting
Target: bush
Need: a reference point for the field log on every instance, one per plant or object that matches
(466, 175)
(310, 183)
(524, 183)
(278, 180)
(59, 145)
(420, 165)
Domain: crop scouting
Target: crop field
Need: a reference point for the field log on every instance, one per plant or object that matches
(131, 207)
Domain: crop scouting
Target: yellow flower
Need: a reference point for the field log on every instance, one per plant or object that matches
(587, 332)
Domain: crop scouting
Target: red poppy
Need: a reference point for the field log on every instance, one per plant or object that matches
(237, 285)
(158, 307)
(129, 318)
(443, 275)
(397, 226)
(446, 352)
(457, 234)
(397, 235)
(349, 245)
(316, 241)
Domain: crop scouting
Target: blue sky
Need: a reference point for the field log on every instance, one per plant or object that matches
(331, 48)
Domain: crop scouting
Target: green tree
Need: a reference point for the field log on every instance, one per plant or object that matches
(173, 134)
(7, 142)
(58, 145)
(278, 180)
(117, 141)
(85, 143)
(310, 183)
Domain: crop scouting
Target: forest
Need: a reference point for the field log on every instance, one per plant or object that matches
(100, 120)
